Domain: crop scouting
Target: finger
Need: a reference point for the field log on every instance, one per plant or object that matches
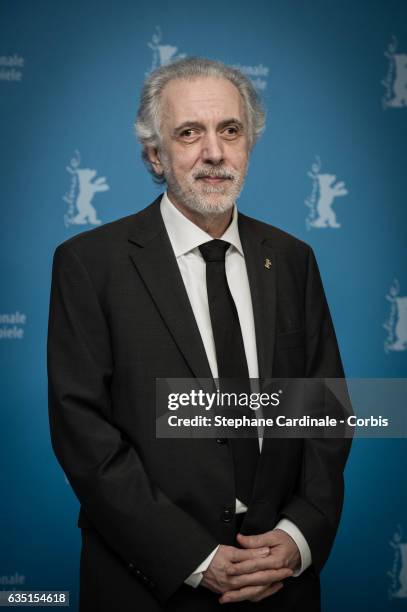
(240, 594)
(270, 538)
(248, 593)
(252, 541)
(255, 565)
(266, 577)
(239, 554)
(269, 591)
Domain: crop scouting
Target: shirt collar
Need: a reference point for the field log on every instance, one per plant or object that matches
(185, 235)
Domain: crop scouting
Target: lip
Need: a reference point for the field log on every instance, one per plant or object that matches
(212, 179)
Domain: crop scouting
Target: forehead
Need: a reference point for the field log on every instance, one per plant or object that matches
(201, 99)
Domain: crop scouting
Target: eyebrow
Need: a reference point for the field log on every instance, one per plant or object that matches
(197, 124)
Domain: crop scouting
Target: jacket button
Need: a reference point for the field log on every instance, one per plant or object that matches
(227, 515)
(221, 440)
(131, 566)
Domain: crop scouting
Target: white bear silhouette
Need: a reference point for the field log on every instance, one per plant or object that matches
(163, 54)
(400, 81)
(327, 193)
(401, 547)
(87, 189)
(400, 331)
(402, 592)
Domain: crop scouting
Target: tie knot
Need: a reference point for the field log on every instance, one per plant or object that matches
(214, 250)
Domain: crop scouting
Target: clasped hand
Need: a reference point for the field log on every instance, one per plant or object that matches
(254, 571)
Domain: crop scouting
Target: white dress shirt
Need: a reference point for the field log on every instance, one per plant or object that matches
(185, 238)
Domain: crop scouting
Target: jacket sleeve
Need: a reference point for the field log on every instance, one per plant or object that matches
(157, 541)
(316, 505)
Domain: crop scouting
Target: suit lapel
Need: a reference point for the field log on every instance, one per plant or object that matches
(154, 258)
(261, 264)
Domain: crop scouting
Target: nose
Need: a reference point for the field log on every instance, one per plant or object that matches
(212, 149)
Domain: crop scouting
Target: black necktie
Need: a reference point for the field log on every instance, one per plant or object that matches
(231, 358)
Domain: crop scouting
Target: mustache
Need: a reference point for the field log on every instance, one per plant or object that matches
(215, 173)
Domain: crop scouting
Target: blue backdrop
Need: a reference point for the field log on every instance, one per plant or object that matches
(330, 169)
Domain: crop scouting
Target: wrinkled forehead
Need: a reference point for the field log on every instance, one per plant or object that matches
(206, 100)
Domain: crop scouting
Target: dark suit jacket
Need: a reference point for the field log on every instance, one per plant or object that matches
(153, 509)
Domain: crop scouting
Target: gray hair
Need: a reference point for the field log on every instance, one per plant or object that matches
(147, 124)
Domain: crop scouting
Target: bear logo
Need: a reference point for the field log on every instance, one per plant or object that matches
(84, 186)
(324, 191)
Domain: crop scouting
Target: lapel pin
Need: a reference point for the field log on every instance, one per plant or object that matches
(267, 263)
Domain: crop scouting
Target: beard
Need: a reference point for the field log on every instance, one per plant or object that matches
(202, 197)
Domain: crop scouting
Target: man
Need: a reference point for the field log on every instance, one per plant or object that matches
(189, 524)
